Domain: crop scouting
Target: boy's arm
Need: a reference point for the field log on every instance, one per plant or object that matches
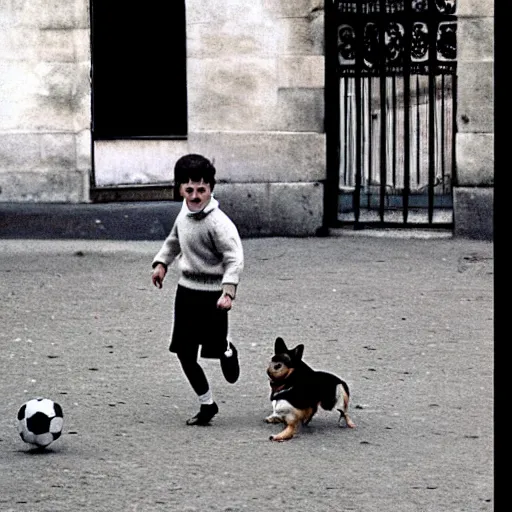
(169, 250)
(158, 275)
(228, 296)
(230, 245)
(165, 256)
(229, 289)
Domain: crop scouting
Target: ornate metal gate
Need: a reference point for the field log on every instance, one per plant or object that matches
(391, 141)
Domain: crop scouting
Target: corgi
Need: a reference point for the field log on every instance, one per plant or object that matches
(297, 391)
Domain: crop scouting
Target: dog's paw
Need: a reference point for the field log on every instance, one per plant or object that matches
(350, 423)
(279, 439)
(347, 424)
(273, 419)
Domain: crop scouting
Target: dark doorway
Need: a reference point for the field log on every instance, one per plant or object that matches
(138, 69)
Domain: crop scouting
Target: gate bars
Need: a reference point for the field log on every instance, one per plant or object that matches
(391, 68)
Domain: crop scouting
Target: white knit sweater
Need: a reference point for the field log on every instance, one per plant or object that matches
(207, 249)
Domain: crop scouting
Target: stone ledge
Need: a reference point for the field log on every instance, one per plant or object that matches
(473, 212)
(110, 221)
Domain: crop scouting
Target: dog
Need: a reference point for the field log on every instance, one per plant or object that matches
(297, 391)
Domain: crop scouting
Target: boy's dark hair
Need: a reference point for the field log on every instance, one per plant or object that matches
(194, 167)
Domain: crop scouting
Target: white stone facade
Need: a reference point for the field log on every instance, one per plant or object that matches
(44, 101)
(474, 193)
(255, 74)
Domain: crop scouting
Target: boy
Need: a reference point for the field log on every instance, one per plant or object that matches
(208, 251)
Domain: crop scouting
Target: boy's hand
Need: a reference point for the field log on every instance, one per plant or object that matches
(225, 302)
(158, 275)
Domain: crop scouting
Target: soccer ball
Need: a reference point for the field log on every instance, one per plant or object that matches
(40, 421)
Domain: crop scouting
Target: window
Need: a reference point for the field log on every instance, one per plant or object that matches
(138, 69)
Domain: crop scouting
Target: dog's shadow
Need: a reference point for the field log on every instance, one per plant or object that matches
(322, 424)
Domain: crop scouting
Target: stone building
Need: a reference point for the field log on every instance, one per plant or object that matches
(255, 103)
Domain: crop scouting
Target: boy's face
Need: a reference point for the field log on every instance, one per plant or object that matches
(197, 194)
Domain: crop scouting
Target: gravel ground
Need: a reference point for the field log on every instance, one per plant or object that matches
(408, 323)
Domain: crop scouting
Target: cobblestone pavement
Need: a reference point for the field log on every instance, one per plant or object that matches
(407, 322)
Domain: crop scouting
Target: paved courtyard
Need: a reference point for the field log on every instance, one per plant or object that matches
(407, 322)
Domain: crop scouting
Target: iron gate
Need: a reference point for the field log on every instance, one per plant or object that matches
(395, 84)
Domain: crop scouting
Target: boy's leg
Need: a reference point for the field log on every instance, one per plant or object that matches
(229, 363)
(199, 382)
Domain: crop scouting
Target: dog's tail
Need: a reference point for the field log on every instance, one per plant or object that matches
(343, 394)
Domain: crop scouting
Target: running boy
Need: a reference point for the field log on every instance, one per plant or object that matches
(208, 251)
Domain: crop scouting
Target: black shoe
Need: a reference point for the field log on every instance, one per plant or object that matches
(229, 364)
(205, 414)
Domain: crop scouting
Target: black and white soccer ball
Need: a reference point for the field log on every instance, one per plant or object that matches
(40, 421)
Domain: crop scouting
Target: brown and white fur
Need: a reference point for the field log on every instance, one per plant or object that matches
(297, 391)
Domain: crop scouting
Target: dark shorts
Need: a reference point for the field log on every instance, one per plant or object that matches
(198, 322)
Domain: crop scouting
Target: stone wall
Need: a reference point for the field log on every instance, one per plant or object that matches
(45, 153)
(256, 107)
(474, 190)
(255, 93)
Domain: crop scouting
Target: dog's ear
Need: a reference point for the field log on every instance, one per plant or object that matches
(297, 352)
(280, 346)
